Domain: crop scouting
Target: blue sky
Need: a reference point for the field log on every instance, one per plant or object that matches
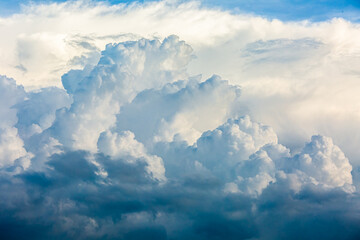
(280, 9)
(295, 9)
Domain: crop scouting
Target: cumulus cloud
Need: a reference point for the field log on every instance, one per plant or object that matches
(181, 110)
(301, 72)
(325, 162)
(12, 150)
(125, 146)
(124, 70)
(134, 145)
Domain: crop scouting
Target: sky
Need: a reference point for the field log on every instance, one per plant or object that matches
(179, 120)
(279, 9)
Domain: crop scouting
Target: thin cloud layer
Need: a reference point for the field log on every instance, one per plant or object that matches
(134, 147)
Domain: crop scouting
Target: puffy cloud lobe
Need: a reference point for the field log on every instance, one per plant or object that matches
(38, 112)
(233, 141)
(125, 146)
(325, 162)
(216, 152)
(124, 70)
(320, 162)
(10, 94)
(254, 175)
(151, 62)
(246, 155)
(12, 150)
(128, 151)
(181, 110)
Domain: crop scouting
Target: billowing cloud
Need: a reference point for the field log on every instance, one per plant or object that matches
(181, 110)
(134, 147)
(303, 73)
(124, 70)
(135, 144)
(125, 146)
(12, 150)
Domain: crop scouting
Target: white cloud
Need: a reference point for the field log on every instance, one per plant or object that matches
(127, 139)
(12, 149)
(301, 73)
(137, 114)
(10, 94)
(233, 142)
(325, 162)
(181, 110)
(11, 145)
(125, 146)
(66, 31)
(124, 70)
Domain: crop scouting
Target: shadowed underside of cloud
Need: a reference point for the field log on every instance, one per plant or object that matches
(135, 148)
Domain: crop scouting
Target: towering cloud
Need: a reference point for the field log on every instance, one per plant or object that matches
(124, 70)
(135, 147)
(300, 77)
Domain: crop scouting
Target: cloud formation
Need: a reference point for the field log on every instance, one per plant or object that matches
(300, 77)
(135, 147)
(12, 151)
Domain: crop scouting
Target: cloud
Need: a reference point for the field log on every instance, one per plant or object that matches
(300, 72)
(12, 150)
(135, 144)
(125, 146)
(325, 162)
(89, 26)
(124, 70)
(181, 110)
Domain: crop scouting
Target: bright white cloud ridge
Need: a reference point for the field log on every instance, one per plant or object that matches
(108, 130)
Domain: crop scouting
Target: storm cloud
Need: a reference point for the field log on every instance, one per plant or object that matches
(135, 147)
